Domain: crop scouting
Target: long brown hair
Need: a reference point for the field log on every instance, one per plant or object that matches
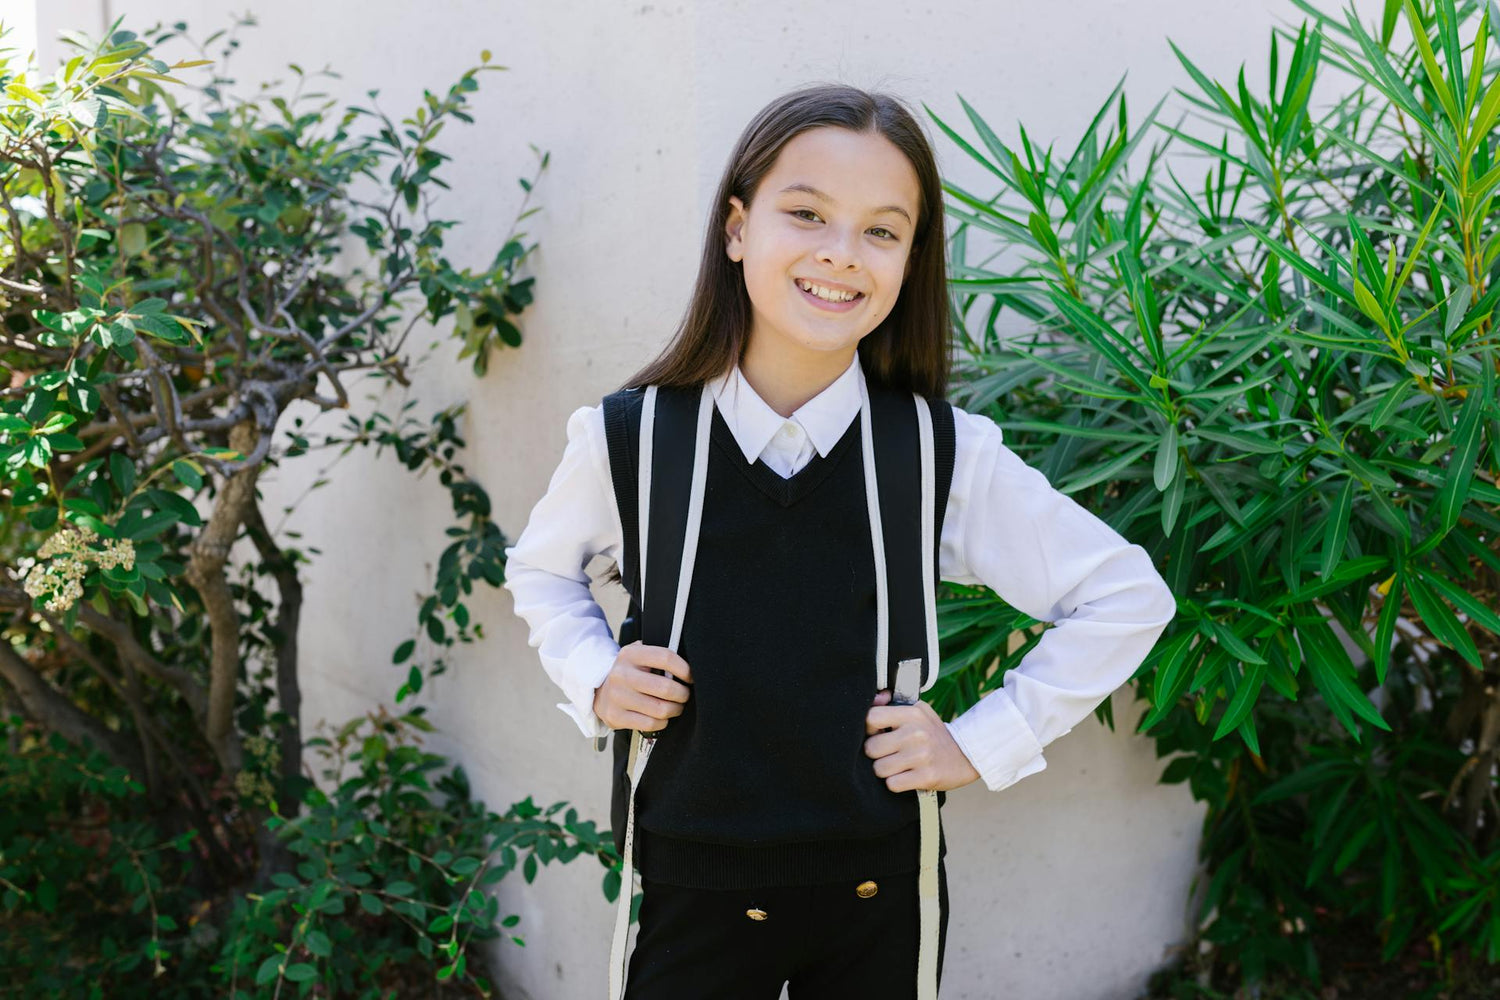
(911, 347)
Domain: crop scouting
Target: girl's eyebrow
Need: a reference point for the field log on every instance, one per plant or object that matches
(809, 189)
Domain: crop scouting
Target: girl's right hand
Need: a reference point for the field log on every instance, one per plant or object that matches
(646, 686)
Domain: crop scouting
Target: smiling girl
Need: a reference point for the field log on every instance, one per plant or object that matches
(786, 828)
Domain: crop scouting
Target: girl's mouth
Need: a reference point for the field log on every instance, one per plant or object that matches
(824, 304)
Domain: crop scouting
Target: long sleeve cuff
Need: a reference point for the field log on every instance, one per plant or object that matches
(995, 737)
(595, 657)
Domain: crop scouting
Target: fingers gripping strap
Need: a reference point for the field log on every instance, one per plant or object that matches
(640, 747)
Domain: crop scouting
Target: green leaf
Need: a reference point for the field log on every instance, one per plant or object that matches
(1243, 701)
(611, 885)
(1391, 402)
(188, 472)
(269, 970)
(301, 972)
(122, 472)
(1385, 627)
(1332, 672)
(1166, 459)
(1172, 500)
(1438, 85)
(318, 944)
(1370, 306)
(1235, 645)
(1464, 601)
(1461, 461)
(1336, 529)
(1442, 623)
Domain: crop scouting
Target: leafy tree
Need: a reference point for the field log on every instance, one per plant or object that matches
(175, 276)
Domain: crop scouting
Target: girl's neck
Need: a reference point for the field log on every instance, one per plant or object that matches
(785, 383)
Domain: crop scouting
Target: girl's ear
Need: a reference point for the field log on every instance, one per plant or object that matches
(733, 229)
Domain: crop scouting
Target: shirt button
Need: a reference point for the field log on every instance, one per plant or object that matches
(789, 430)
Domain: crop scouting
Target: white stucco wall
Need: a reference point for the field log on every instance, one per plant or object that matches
(1071, 885)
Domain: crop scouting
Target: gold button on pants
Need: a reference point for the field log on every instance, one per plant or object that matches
(866, 889)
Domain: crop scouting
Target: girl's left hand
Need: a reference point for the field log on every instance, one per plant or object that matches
(912, 748)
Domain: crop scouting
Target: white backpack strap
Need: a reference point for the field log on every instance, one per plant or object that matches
(640, 747)
(907, 691)
(929, 521)
(877, 535)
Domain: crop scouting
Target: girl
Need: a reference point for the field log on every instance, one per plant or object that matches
(776, 828)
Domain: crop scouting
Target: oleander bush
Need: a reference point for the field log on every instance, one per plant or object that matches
(179, 268)
(1261, 343)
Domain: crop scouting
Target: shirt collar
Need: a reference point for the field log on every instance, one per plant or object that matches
(753, 422)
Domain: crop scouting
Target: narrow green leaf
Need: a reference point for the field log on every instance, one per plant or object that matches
(1385, 627)
(1166, 459)
(1458, 305)
(1441, 622)
(1243, 701)
(1463, 600)
(1391, 402)
(1172, 500)
(1307, 270)
(1461, 461)
(1438, 85)
(1336, 529)
(1235, 645)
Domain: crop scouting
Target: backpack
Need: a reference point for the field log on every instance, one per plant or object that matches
(658, 481)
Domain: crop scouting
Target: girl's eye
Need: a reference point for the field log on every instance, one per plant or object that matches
(799, 212)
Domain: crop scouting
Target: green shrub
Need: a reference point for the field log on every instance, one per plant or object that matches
(94, 897)
(1276, 370)
(393, 864)
(175, 280)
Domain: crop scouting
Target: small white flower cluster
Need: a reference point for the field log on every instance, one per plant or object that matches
(68, 553)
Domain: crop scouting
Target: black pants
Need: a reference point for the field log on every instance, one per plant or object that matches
(825, 941)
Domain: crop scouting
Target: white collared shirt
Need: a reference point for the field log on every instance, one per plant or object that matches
(1005, 526)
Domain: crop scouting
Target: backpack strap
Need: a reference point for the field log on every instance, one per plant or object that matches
(656, 438)
(914, 453)
(672, 467)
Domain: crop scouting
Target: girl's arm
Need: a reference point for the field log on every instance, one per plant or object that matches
(1005, 526)
(544, 569)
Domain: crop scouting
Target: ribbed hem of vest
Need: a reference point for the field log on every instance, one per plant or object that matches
(701, 865)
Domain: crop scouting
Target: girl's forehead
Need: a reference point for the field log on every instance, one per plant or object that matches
(859, 170)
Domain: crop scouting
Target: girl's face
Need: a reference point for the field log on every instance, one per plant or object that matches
(837, 210)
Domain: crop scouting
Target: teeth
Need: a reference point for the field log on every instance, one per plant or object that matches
(826, 293)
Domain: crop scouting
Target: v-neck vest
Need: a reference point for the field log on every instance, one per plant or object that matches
(763, 778)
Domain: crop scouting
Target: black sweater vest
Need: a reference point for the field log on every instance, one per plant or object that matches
(763, 780)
